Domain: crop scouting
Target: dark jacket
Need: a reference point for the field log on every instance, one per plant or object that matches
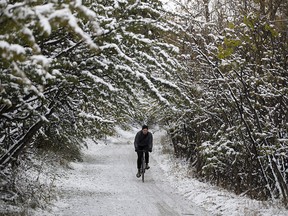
(143, 140)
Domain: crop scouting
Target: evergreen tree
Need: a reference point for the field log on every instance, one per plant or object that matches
(71, 71)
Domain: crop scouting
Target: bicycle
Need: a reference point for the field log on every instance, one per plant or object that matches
(143, 164)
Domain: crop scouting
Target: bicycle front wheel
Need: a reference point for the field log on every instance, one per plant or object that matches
(143, 168)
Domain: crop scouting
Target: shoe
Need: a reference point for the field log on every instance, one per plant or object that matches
(147, 166)
(138, 174)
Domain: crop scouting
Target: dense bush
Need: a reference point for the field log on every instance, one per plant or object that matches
(235, 131)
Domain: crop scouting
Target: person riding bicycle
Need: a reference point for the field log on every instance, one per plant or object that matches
(143, 141)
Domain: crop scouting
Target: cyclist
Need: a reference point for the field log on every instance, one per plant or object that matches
(143, 141)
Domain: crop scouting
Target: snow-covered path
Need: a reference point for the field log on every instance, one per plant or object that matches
(105, 184)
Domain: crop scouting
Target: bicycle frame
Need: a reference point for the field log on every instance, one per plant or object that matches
(142, 169)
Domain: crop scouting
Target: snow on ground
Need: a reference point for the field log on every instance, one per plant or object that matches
(105, 184)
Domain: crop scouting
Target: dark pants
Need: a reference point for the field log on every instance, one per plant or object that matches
(140, 155)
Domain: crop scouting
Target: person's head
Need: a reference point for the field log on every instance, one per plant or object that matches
(145, 129)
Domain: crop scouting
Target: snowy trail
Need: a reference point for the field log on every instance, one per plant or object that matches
(105, 184)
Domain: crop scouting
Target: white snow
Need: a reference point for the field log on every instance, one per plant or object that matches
(11, 47)
(97, 79)
(73, 22)
(41, 59)
(94, 117)
(42, 10)
(105, 184)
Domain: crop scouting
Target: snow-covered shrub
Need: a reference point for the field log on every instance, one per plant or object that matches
(166, 145)
(28, 183)
(238, 116)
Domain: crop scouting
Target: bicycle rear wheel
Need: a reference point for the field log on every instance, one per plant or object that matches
(143, 167)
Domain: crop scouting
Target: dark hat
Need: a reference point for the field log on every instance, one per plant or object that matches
(144, 127)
